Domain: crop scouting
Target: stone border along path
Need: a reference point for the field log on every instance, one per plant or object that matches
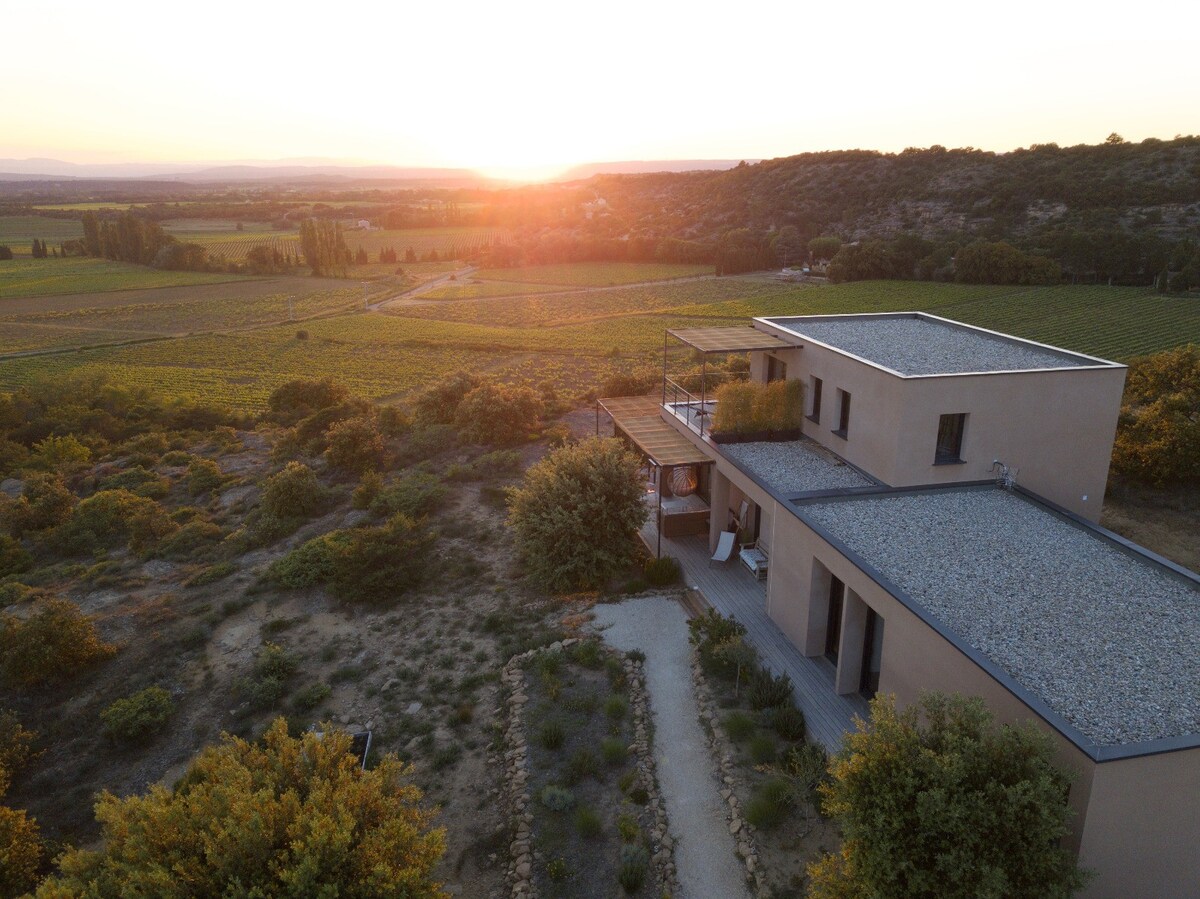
(708, 867)
(516, 772)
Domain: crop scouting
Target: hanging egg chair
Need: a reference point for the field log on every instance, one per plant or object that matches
(684, 479)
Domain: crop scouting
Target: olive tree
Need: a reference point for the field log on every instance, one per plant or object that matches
(938, 800)
(577, 515)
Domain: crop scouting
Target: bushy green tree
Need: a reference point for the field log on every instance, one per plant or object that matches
(54, 643)
(138, 717)
(1158, 434)
(354, 445)
(292, 493)
(111, 518)
(20, 841)
(297, 399)
(940, 801)
(324, 247)
(382, 563)
(498, 414)
(439, 403)
(282, 817)
(576, 517)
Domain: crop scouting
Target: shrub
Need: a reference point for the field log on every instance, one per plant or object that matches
(587, 653)
(13, 557)
(498, 414)
(110, 518)
(629, 829)
(191, 540)
(138, 717)
(54, 643)
(204, 476)
(428, 440)
(355, 445)
(60, 454)
(15, 748)
(942, 773)
(439, 404)
(290, 402)
(1158, 433)
(21, 851)
(377, 564)
(632, 873)
(210, 574)
(273, 668)
(788, 722)
(414, 495)
(557, 799)
(44, 503)
(309, 564)
(713, 628)
(662, 572)
(374, 829)
(557, 869)
(137, 480)
(613, 750)
(551, 735)
(615, 707)
(587, 823)
(639, 794)
(583, 763)
(768, 804)
(293, 492)
(762, 749)
(766, 691)
(497, 463)
(368, 488)
(804, 766)
(576, 517)
(738, 725)
(748, 406)
(310, 697)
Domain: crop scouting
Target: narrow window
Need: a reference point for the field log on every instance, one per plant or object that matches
(843, 427)
(815, 392)
(872, 655)
(833, 622)
(776, 370)
(949, 438)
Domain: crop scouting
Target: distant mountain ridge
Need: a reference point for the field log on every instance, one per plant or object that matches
(35, 169)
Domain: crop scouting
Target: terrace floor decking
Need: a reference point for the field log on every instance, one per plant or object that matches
(732, 590)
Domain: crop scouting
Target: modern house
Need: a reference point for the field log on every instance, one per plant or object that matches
(933, 527)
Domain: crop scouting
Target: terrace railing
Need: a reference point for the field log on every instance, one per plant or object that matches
(693, 409)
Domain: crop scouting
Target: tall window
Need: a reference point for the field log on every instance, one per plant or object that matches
(843, 427)
(776, 369)
(949, 438)
(872, 655)
(833, 622)
(815, 393)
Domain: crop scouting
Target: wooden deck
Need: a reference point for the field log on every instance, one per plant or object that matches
(732, 590)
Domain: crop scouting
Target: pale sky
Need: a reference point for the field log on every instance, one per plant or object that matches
(533, 86)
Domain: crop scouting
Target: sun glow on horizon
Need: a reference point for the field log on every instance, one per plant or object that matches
(527, 91)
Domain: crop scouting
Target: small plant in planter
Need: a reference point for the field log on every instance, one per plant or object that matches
(629, 829)
(587, 823)
(583, 763)
(557, 870)
(552, 735)
(556, 798)
(632, 874)
(615, 707)
(767, 691)
(613, 750)
(739, 726)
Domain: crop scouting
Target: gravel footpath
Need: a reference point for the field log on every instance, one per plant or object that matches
(915, 346)
(704, 852)
(1108, 640)
(795, 466)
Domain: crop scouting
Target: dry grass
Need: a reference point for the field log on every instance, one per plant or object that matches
(1167, 522)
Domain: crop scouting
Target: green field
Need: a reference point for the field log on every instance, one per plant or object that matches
(593, 274)
(46, 277)
(572, 342)
(17, 232)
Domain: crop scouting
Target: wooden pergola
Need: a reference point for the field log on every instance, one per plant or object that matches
(728, 340)
(640, 419)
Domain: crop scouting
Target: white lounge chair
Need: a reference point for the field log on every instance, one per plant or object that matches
(724, 547)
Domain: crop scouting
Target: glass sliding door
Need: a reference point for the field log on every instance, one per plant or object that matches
(833, 623)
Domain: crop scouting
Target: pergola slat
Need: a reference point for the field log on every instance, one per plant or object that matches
(728, 340)
(639, 417)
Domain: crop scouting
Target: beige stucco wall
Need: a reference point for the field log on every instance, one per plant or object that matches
(1055, 428)
(1142, 831)
(1136, 821)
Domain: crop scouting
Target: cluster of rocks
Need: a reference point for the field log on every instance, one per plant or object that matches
(516, 762)
(742, 830)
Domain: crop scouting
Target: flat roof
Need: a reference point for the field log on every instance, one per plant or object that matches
(640, 417)
(1102, 634)
(915, 344)
(795, 467)
(728, 340)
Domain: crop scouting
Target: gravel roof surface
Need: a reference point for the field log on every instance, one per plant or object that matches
(919, 346)
(1105, 639)
(795, 466)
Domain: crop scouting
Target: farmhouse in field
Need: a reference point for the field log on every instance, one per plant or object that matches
(926, 520)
